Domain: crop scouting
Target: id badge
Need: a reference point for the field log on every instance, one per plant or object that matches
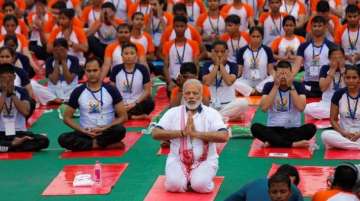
(314, 71)
(127, 89)
(157, 38)
(9, 124)
(273, 32)
(254, 74)
(101, 120)
(217, 103)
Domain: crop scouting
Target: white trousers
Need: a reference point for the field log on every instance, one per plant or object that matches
(318, 110)
(334, 139)
(201, 178)
(235, 109)
(246, 87)
(42, 93)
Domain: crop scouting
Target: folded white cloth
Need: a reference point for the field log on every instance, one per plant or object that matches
(81, 180)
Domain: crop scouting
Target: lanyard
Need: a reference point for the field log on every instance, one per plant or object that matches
(146, 9)
(313, 50)
(218, 81)
(353, 45)
(8, 109)
(192, 12)
(336, 85)
(129, 85)
(282, 101)
(157, 28)
(180, 59)
(93, 14)
(215, 29)
(291, 10)
(232, 45)
(93, 95)
(278, 30)
(117, 5)
(254, 57)
(352, 112)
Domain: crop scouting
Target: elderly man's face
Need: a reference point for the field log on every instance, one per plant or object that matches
(192, 96)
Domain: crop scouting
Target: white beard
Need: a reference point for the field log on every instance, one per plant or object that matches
(192, 106)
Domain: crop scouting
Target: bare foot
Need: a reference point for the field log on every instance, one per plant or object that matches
(301, 144)
(143, 116)
(265, 145)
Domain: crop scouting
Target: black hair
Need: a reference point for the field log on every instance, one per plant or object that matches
(93, 59)
(344, 177)
(351, 9)
(291, 171)
(179, 7)
(135, 14)
(108, 5)
(354, 68)
(44, 2)
(323, 6)
(257, 28)
(282, 64)
(335, 49)
(318, 19)
(7, 68)
(9, 4)
(180, 18)
(59, 5)
(68, 12)
(233, 19)
(10, 18)
(288, 18)
(219, 42)
(10, 50)
(123, 26)
(61, 42)
(279, 178)
(128, 45)
(11, 37)
(188, 67)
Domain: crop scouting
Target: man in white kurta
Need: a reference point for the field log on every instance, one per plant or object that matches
(193, 130)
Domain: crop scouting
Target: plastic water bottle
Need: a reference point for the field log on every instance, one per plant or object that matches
(97, 172)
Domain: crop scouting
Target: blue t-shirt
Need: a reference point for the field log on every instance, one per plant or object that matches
(258, 191)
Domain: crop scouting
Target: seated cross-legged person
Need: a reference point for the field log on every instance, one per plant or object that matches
(101, 114)
(15, 106)
(345, 114)
(193, 130)
(283, 100)
(133, 82)
(62, 70)
(220, 75)
(331, 79)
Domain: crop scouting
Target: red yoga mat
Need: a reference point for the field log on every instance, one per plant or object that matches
(250, 113)
(341, 154)
(62, 183)
(320, 123)
(130, 139)
(312, 100)
(16, 156)
(312, 178)
(38, 113)
(166, 150)
(258, 151)
(158, 192)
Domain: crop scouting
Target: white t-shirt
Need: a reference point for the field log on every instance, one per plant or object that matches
(96, 108)
(337, 83)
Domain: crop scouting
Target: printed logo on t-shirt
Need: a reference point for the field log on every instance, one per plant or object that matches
(94, 107)
(282, 105)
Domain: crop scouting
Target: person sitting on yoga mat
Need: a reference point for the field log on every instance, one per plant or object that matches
(220, 75)
(133, 82)
(259, 190)
(342, 184)
(345, 114)
(331, 79)
(101, 114)
(14, 108)
(283, 100)
(193, 130)
(312, 55)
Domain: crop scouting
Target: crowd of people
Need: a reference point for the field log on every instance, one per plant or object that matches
(100, 58)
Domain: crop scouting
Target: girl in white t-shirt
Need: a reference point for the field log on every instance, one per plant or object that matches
(345, 114)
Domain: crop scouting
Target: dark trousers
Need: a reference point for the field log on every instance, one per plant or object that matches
(282, 137)
(36, 144)
(315, 91)
(96, 47)
(77, 141)
(39, 51)
(144, 107)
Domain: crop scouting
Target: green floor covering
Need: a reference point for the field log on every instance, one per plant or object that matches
(26, 179)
